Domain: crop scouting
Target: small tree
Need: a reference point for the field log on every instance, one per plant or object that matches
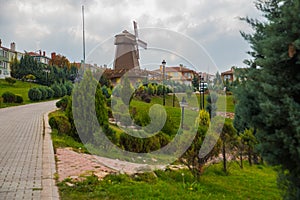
(228, 138)
(249, 141)
(191, 157)
(211, 107)
(195, 83)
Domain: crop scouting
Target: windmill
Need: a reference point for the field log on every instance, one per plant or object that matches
(127, 49)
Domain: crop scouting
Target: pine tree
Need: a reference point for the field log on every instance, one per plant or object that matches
(273, 87)
(195, 83)
(126, 90)
(89, 108)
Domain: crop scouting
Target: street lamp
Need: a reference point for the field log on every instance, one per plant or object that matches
(46, 71)
(164, 73)
(173, 96)
(200, 87)
(201, 91)
(183, 104)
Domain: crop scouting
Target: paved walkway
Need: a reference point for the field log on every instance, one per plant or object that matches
(21, 153)
(71, 164)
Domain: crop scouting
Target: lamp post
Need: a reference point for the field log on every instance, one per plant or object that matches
(200, 87)
(183, 104)
(173, 96)
(164, 73)
(47, 71)
(202, 78)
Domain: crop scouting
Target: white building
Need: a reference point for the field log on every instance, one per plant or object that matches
(7, 55)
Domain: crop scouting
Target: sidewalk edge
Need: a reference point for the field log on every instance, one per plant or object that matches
(50, 190)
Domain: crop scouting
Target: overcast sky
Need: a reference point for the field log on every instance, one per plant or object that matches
(182, 28)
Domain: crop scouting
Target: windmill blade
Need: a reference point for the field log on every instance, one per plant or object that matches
(142, 44)
(136, 39)
(135, 30)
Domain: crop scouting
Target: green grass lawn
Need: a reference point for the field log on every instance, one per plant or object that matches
(224, 103)
(256, 182)
(21, 88)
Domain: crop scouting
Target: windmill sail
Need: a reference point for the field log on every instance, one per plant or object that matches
(136, 39)
(127, 50)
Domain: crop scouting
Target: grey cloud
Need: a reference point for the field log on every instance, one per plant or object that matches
(55, 25)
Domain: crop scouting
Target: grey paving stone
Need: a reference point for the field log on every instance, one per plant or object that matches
(21, 150)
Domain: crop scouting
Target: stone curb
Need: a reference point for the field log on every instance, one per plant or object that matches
(50, 190)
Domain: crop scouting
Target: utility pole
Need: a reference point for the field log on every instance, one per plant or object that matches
(83, 36)
(164, 74)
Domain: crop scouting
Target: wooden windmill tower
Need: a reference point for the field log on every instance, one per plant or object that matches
(127, 49)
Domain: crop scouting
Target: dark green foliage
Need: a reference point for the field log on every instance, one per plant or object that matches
(63, 103)
(19, 99)
(143, 145)
(105, 92)
(50, 92)
(69, 115)
(69, 87)
(91, 111)
(8, 97)
(57, 90)
(10, 80)
(44, 74)
(44, 92)
(64, 90)
(61, 124)
(35, 94)
(211, 107)
(195, 83)
(100, 106)
(273, 89)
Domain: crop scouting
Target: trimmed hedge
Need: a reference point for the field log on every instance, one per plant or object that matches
(8, 97)
(19, 99)
(61, 124)
(44, 92)
(35, 94)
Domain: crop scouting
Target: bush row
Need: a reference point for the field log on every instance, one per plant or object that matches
(9, 97)
(56, 90)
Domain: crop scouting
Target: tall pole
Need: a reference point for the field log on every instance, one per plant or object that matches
(164, 73)
(203, 92)
(200, 88)
(83, 35)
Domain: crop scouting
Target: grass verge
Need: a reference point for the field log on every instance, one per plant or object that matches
(256, 182)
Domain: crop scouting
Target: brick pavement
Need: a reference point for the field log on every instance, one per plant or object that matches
(71, 164)
(21, 151)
